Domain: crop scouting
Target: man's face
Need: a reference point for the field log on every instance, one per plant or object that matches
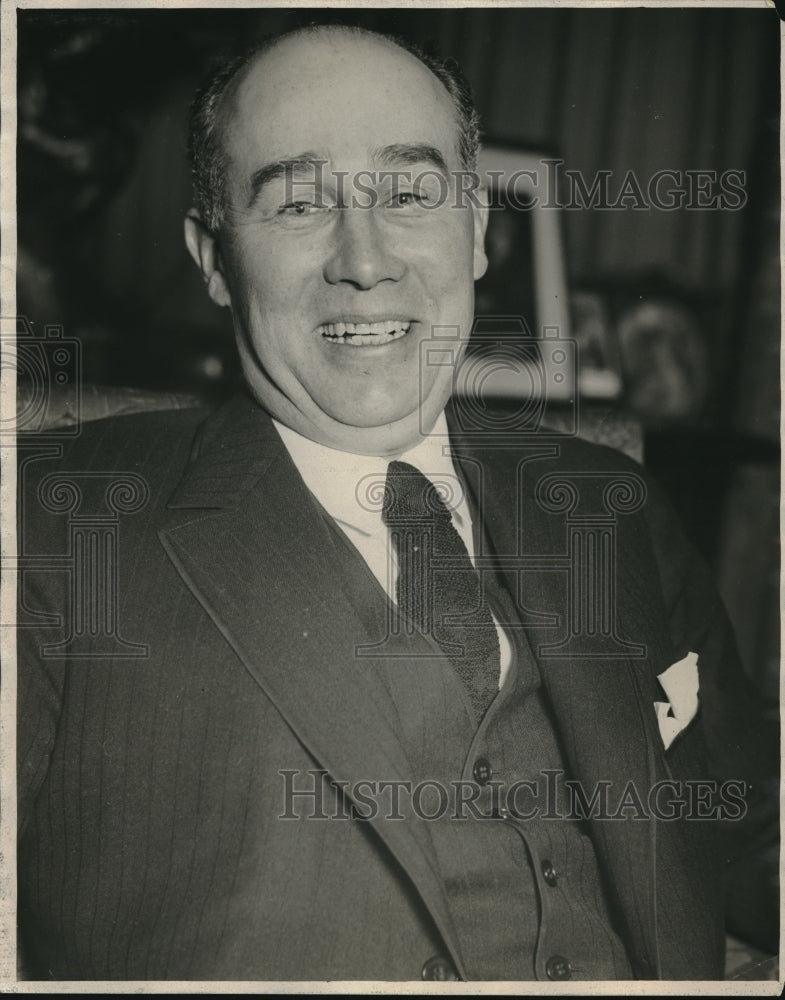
(336, 272)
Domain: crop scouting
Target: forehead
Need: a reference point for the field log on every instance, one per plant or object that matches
(341, 94)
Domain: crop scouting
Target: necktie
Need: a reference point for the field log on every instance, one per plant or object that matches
(438, 590)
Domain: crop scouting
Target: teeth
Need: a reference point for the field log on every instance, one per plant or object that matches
(361, 334)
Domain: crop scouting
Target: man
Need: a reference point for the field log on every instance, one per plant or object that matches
(308, 775)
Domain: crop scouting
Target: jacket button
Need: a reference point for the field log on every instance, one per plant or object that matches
(438, 969)
(482, 771)
(549, 873)
(557, 967)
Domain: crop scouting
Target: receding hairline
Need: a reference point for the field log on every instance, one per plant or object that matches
(314, 32)
(214, 109)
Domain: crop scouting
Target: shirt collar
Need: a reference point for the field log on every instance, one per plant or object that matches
(351, 487)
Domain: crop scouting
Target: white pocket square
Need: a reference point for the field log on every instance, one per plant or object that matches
(680, 684)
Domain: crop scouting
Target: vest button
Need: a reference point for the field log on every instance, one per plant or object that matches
(549, 873)
(482, 771)
(557, 967)
(438, 969)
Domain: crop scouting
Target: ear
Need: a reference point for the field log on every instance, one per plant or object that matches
(480, 212)
(203, 247)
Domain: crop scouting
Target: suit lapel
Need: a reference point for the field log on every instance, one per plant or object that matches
(262, 564)
(603, 707)
(259, 532)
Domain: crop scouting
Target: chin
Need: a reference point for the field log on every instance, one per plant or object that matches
(397, 401)
(367, 411)
(367, 420)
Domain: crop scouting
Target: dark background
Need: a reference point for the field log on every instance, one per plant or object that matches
(103, 186)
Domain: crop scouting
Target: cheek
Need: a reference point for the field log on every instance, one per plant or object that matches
(266, 300)
(450, 248)
(259, 268)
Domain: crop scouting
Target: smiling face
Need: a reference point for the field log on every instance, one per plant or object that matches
(335, 271)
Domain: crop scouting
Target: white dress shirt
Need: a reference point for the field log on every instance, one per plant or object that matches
(351, 488)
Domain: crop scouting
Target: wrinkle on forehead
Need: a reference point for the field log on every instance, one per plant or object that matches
(312, 63)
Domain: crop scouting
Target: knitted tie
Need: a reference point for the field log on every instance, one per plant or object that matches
(438, 589)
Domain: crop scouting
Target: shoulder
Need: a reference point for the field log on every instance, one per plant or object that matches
(155, 443)
(104, 468)
(551, 454)
(139, 436)
(570, 452)
(629, 489)
(568, 476)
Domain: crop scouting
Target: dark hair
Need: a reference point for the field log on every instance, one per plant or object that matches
(205, 142)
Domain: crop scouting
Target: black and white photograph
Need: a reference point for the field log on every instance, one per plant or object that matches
(390, 497)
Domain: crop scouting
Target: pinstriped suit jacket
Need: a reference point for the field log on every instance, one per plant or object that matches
(150, 788)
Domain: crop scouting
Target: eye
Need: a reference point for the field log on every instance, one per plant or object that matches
(301, 208)
(406, 199)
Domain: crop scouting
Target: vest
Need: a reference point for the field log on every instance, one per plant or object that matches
(521, 878)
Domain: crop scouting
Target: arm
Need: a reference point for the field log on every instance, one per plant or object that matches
(742, 743)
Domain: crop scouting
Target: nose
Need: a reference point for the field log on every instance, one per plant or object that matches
(362, 254)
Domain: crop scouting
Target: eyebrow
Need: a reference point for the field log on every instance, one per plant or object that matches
(396, 154)
(411, 154)
(298, 163)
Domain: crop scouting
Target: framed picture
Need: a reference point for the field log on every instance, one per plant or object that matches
(522, 313)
